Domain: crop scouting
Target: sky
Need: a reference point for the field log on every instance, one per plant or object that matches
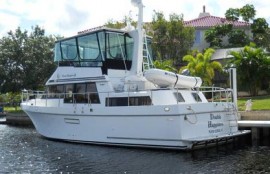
(67, 17)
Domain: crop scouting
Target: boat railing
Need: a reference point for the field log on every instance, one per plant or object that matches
(212, 94)
(73, 98)
(217, 94)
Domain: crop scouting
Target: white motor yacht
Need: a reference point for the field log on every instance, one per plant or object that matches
(106, 90)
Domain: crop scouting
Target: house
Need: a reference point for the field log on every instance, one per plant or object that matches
(206, 21)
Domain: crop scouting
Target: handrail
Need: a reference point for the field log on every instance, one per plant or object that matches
(217, 94)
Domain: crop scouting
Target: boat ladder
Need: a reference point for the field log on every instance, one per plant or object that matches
(147, 60)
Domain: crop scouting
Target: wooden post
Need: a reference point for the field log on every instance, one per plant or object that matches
(255, 136)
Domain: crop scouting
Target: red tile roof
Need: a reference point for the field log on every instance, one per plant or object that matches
(211, 21)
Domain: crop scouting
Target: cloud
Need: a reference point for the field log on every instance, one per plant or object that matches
(67, 17)
(8, 22)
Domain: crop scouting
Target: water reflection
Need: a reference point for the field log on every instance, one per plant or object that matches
(23, 150)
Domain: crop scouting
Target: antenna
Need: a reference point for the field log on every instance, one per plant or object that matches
(139, 37)
(136, 3)
(139, 4)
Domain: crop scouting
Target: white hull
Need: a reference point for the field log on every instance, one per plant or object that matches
(177, 128)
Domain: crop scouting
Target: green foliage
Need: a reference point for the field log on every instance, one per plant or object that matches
(247, 12)
(26, 60)
(165, 65)
(10, 99)
(214, 35)
(253, 67)
(232, 14)
(120, 24)
(200, 64)
(259, 26)
(263, 39)
(171, 39)
(238, 38)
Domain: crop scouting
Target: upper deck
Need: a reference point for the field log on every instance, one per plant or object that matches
(102, 47)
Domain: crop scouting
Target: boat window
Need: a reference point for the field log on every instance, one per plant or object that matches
(196, 97)
(115, 49)
(69, 49)
(128, 101)
(79, 95)
(129, 47)
(179, 97)
(88, 47)
(57, 52)
(101, 39)
(69, 93)
(139, 101)
(119, 46)
(92, 93)
(55, 91)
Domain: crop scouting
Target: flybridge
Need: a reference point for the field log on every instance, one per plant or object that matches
(105, 48)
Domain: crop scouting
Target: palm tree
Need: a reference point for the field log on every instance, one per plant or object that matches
(200, 64)
(253, 67)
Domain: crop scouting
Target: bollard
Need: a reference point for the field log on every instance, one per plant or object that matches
(248, 105)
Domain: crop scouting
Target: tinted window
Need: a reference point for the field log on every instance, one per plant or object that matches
(69, 49)
(179, 97)
(55, 91)
(88, 47)
(196, 97)
(128, 101)
(92, 93)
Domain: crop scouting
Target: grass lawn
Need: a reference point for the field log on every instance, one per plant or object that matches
(13, 109)
(258, 103)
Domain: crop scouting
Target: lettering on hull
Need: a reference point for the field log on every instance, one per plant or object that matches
(215, 124)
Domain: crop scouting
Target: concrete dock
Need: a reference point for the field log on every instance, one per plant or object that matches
(18, 119)
(259, 124)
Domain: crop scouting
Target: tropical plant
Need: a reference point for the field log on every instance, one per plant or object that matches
(253, 67)
(200, 64)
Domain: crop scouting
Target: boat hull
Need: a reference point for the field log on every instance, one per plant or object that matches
(169, 127)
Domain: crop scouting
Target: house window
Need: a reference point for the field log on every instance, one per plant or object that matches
(197, 37)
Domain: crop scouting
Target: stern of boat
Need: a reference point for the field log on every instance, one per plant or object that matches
(205, 128)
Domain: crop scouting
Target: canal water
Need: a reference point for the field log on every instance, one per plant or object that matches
(23, 150)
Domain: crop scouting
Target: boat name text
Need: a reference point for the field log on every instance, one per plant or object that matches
(215, 117)
(214, 125)
(68, 75)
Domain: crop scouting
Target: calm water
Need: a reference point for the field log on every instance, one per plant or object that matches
(23, 150)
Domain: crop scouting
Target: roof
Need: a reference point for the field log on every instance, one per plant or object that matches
(224, 53)
(211, 21)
